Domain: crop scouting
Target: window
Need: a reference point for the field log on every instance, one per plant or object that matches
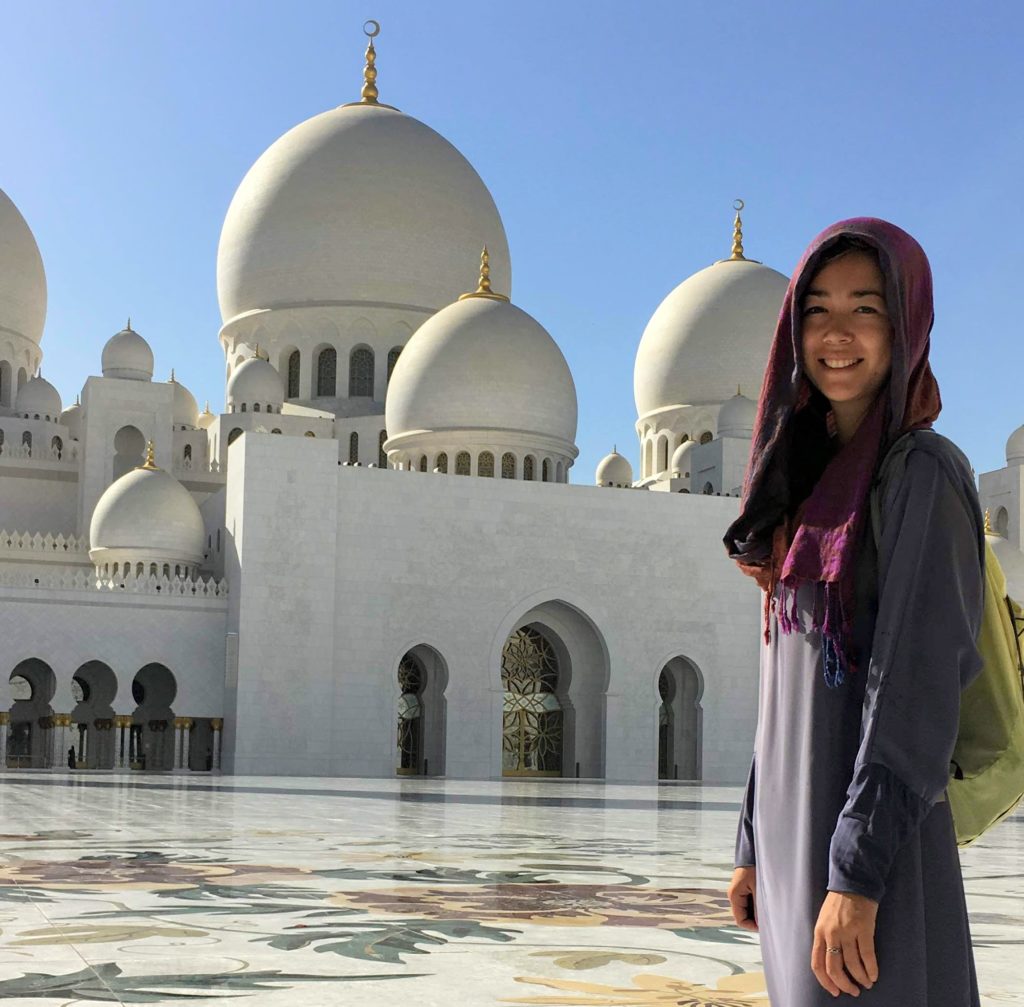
(382, 458)
(256, 407)
(707, 437)
(275, 431)
(293, 374)
(708, 490)
(393, 356)
(528, 466)
(423, 463)
(327, 372)
(243, 407)
(485, 464)
(360, 373)
(462, 463)
(234, 435)
(57, 446)
(545, 471)
(1, 440)
(508, 465)
(26, 440)
(662, 454)
(187, 454)
(353, 448)
(442, 462)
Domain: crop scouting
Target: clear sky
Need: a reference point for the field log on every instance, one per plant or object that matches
(613, 136)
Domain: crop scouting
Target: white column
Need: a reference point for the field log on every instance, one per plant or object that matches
(61, 721)
(122, 725)
(186, 743)
(179, 729)
(218, 730)
(5, 719)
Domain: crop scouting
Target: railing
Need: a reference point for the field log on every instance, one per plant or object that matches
(80, 580)
(67, 455)
(14, 543)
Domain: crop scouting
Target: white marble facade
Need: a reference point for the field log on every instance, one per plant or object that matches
(302, 584)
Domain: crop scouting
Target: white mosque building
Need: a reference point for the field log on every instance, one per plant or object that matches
(374, 560)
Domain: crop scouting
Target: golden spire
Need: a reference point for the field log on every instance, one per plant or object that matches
(206, 408)
(128, 327)
(484, 286)
(369, 93)
(150, 457)
(989, 530)
(737, 232)
(172, 377)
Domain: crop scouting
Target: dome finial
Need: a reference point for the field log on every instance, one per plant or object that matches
(989, 530)
(150, 462)
(484, 286)
(737, 231)
(128, 327)
(172, 376)
(369, 93)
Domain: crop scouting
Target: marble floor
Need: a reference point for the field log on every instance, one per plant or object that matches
(164, 889)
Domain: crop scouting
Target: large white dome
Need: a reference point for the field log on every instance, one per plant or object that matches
(358, 204)
(147, 511)
(184, 410)
(712, 333)
(22, 279)
(1015, 448)
(255, 382)
(614, 470)
(127, 355)
(482, 364)
(38, 398)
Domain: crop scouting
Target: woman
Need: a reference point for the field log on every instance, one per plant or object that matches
(846, 859)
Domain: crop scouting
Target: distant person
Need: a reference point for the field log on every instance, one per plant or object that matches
(71, 758)
(846, 857)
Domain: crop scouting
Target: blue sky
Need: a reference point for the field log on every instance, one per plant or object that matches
(613, 137)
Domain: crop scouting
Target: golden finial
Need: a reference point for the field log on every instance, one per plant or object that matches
(172, 376)
(128, 327)
(737, 231)
(206, 408)
(989, 530)
(369, 93)
(260, 354)
(484, 286)
(150, 457)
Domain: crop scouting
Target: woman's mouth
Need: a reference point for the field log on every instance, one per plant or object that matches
(839, 363)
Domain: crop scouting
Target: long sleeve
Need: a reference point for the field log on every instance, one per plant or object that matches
(923, 655)
(745, 854)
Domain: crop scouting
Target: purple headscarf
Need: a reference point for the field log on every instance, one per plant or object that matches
(771, 540)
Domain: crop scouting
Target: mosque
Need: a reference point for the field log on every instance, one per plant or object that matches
(374, 560)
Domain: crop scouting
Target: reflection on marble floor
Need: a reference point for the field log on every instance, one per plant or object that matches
(162, 889)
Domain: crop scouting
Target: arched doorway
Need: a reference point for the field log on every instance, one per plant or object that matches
(533, 722)
(93, 687)
(30, 731)
(151, 741)
(420, 740)
(129, 447)
(680, 721)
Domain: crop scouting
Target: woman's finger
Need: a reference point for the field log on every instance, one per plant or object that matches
(818, 967)
(866, 944)
(835, 966)
(854, 964)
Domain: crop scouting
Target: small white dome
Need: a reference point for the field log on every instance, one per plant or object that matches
(72, 419)
(22, 279)
(614, 470)
(205, 418)
(38, 399)
(712, 333)
(147, 511)
(736, 418)
(681, 460)
(255, 382)
(128, 355)
(184, 411)
(1015, 447)
(482, 364)
(359, 203)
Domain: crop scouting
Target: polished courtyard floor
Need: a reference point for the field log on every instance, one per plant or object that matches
(165, 889)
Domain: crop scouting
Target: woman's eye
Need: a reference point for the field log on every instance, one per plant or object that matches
(867, 308)
(813, 309)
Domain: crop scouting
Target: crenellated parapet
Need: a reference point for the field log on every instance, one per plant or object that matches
(81, 580)
(34, 545)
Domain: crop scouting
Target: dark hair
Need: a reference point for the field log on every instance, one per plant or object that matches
(845, 244)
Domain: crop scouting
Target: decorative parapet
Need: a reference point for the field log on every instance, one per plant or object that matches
(80, 580)
(34, 545)
(188, 467)
(67, 455)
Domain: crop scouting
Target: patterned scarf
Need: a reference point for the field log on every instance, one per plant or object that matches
(784, 541)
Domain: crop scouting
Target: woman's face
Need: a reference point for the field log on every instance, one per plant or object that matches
(847, 333)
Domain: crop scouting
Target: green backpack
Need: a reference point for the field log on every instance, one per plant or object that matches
(987, 769)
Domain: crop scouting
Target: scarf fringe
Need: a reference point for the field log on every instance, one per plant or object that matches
(829, 617)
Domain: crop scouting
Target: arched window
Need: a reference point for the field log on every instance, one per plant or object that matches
(255, 407)
(275, 431)
(309, 433)
(707, 437)
(528, 466)
(558, 472)
(234, 435)
(662, 454)
(353, 448)
(462, 463)
(545, 471)
(393, 356)
(243, 407)
(57, 446)
(683, 438)
(293, 374)
(187, 454)
(648, 459)
(382, 458)
(423, 463)
(26, 440)
(327, 372)
(485, 464)
(508, 465)
(5, 383)
(442, 462)
(360, 373)
(708, 490)
(1002, 525)
(1, 440)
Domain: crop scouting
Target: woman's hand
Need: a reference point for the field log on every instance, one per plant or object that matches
(846, 921)
(743, 897)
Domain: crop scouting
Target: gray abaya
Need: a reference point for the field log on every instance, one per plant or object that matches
(846, 789)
